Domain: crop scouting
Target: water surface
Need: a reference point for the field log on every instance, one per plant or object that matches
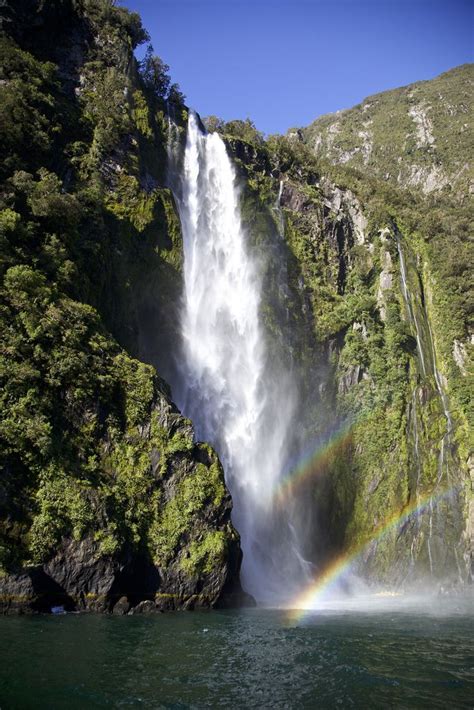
(248, 659)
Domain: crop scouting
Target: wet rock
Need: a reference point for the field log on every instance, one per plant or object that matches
(385, 282)
(121, 607)
(236, 600)
(84, 574)
(294, 199)
(145, 607)
(31, 590)
(374, 484)
(460, 356)
(351, 377)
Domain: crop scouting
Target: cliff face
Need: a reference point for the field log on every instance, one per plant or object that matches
(406, 359)
(104, 492)
(418, 136)
(380, 331)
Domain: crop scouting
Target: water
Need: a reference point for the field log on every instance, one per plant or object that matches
(280, 220)
(411, 309)
(439, 517)
(250, 659)
(233, 389)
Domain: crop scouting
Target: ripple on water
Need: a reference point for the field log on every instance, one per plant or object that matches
(248, 659)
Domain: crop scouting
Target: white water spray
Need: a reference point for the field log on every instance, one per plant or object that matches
(410, 309)
(236, 399)
(278, 213)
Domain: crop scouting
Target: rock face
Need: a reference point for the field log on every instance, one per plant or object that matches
(122, 607)
(376, 346)
(415, 136)
(191, 557)
(105, 495)
(79, 569)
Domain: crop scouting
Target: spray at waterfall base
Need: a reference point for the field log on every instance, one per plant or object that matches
(340, 580)
(344, 574)
(338, 577)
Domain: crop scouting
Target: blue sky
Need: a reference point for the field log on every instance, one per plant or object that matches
(282, 63)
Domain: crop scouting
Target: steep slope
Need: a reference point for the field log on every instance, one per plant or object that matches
(378, 299)
(104, 492)
(417, 136)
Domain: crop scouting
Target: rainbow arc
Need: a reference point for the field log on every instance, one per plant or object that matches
(341, 565)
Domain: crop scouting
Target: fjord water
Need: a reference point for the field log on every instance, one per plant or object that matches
(239, 402)
(257, 658)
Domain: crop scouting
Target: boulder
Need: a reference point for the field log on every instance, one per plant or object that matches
(122, 607)
(145, 607)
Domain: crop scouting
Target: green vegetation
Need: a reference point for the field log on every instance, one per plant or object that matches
(180, 513)
(205, 555)
(368, 369)
(91, 446)
(419, 135)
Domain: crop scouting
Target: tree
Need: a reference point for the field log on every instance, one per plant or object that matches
(175, 95)
(213, 124)
(154, 73)
(245, 130)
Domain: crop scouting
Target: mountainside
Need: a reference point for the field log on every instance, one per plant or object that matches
(380, 296)
(380, 326)
(104, 492)
(418, 136)
(367, 301)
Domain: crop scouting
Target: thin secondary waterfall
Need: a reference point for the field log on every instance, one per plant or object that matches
(236, 399)
(410, 308)
(437, 513)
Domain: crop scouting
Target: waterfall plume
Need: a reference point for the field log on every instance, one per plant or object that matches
(236, 394)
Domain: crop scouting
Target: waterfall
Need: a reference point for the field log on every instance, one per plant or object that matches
(278, 213)
(428, 358)
(230, 385)
(411, 310)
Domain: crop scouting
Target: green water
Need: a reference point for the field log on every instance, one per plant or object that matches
(248, 659)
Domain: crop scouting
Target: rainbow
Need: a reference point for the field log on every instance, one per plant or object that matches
(313, 463)
(308, 599)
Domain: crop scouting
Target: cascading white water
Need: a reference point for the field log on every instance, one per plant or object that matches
(278, 213)
(236, 400)
(410, 309)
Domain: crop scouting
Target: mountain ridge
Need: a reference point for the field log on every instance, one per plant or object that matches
(407, 122)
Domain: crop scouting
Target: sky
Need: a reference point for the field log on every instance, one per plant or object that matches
(283, 63)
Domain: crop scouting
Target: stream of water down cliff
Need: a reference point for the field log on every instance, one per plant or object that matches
(236, 400)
